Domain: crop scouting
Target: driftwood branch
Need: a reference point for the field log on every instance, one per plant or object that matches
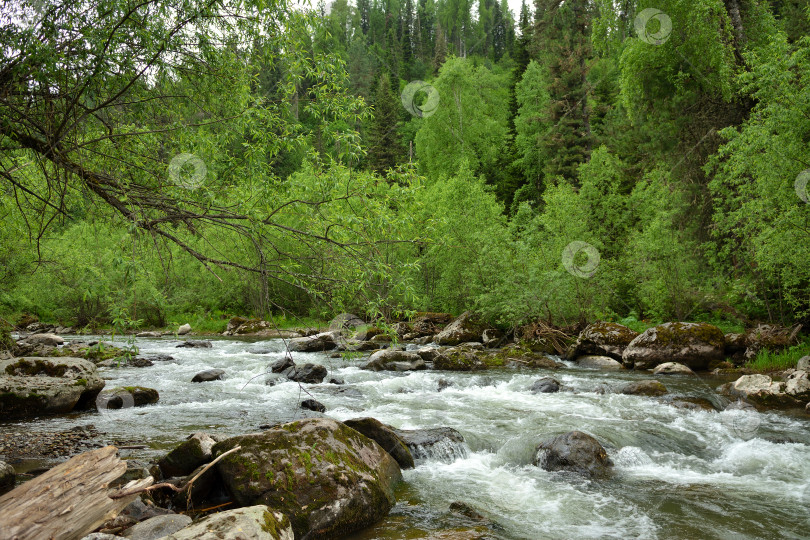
(69, 501)
(134, 491)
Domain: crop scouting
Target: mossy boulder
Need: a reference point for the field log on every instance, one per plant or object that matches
(603, 339)
(651, 388)
(519, 355)
(329, 479)
(466, 327)
(695, 345)
(394, 360)
(459, 359)
(40, 386)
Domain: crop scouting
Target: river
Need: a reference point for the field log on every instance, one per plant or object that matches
(678, 473)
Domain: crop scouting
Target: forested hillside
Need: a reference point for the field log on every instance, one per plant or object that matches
(574, 161)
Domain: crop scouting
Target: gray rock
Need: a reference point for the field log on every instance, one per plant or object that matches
(574, 451)
(103, 536)
(598, 362)
(797, 386)
(337, 380)
(45, 339)
(36, 386)
(428, 354)
(183, 330)
(759, 390)
(124, 397)
(803, 364)
(7, 477)
(248, 523)
(157, 527)
(672, 368)
(695, 345)
(282, 365)
(546, 385)
(209, 375)
(148, 334)
(465, 328)
(325, 341)
(308, 373)
(394, 360)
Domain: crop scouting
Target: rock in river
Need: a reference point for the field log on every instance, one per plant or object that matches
(546, 385)
(574, 451)
(329, 479)
(189, 455)
(385, 437)
(695, 345)
(442, 443)
(313, 405)
(603, 339)
(598, 362)
(394, 360)
(35, 386)
(325, 341)
(672, 368)
(465, 328)
(644, 388)
(209, 375)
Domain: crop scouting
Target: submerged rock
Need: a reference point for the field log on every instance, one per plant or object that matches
(695, 345)
(35, 386)
(385, 437)
(442, 443)
(603, 339)
(195, 344)
(327, 478)
(325, 341)
(644, 388)
(574, 451)
(249, 523)
(209, 375)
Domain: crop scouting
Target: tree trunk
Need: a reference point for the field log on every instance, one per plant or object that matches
(67, 502)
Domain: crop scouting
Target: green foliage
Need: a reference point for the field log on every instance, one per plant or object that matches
(776, 361)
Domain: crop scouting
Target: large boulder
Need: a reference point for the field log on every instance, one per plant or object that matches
(428, 324)
(385, 437)
(249, 523)
(519, 355)
(695, 345)
(466, 327)
(187, 456)
(325, 341)
(394, 360)
(758, 389)
(545, 385)
(459, 359)
(574, 451)
(603, 339)
(35, 386)
(184, 329)
(329, 479)
(308, 373)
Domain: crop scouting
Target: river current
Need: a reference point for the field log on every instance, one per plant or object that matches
(678, 473)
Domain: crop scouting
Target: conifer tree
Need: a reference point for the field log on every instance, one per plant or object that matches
(384, 147)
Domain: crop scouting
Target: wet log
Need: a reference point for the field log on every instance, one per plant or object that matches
(69, 501)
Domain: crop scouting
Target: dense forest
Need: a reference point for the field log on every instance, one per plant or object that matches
(171, 160)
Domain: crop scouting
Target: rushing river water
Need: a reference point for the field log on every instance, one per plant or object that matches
(678, 473)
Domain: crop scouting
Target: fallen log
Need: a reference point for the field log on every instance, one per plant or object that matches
(69, 501)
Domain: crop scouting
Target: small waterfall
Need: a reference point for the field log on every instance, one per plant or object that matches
(445, 450)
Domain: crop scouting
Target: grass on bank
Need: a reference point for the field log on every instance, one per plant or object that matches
(777, 361)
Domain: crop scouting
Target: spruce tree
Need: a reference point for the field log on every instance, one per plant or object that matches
(384, 147)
